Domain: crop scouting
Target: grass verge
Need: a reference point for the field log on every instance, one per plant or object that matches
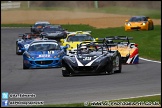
(148, 101)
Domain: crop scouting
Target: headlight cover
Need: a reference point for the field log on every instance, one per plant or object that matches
(143, 23)
(26, 46)
(129, 24)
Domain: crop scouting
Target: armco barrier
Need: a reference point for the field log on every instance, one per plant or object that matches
(10, 5)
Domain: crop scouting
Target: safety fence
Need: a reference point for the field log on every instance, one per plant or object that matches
(10, 5)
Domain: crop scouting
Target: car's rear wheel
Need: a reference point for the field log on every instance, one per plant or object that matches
(109, 69)
(118, 64)
(65, 73)
(17, 49)
(152, 27)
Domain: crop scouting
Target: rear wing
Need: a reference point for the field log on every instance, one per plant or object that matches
(123, 38)
(79, 32)
(31, 34)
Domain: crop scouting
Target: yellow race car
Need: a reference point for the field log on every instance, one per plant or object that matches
(74, 38)
(139, 23)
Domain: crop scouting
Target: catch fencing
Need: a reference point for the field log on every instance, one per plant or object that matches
(10, 5)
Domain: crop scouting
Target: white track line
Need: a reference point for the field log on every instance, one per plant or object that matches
(149, 60)
(138, 96)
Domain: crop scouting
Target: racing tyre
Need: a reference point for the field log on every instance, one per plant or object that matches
(17, 48)
(65, 74)
(110, 68)
(24, 67)
(152, 27)
(120, 65)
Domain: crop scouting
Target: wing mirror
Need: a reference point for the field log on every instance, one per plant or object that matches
(136, 45)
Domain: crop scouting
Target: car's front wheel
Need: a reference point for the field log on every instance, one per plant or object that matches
(118, 64)
(152, 26)
(65, 73)
(24, 67)
(17, 49)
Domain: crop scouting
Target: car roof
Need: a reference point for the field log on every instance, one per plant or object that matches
(138, 16)
(52, 26)
(42, 22)
(79, 32)
(40, 41)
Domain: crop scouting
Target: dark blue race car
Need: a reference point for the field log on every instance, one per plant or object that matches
(23, 43)
(43, 54)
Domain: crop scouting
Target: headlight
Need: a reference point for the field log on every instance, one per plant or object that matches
(56, 56)
(26, 46)
(129, 24)
(143, 23)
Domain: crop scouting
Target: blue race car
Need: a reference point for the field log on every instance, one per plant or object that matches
(43, 54)
(23, 43)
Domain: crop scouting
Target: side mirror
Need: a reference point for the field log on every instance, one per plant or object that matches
(136, 45)
(149, 19)
(126, 20)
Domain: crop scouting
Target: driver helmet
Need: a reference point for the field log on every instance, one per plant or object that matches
(110, 41)
(26, 36)
(84, 48)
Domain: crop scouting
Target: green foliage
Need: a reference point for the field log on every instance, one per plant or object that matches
(152, 13)
(149, 42)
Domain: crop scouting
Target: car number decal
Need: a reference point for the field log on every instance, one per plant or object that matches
(87, 58)
(44, 55)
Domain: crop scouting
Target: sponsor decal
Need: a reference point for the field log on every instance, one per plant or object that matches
(44, 55)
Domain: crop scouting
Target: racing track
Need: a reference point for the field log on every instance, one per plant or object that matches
(51, 87)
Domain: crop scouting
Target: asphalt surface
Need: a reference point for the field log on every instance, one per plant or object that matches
(51, 87)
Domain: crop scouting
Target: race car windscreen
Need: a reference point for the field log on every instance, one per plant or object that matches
(40, 25)
(79, 38)
(51, 30)
(44, 47)
(137, 19)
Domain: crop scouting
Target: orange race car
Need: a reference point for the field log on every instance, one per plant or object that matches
(139, 23)
(128, 50)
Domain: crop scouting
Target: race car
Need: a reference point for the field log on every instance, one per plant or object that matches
(55, 32)
(38, 26)
(22, 43)
(139, 23)
(74, 38)
(129, 51)
(100, 60)
(43, 54)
